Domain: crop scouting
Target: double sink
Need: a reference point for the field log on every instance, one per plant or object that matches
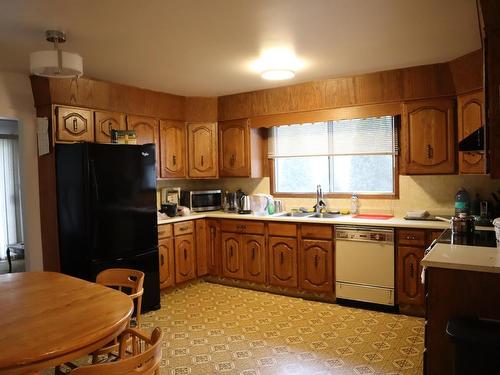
(315, 215)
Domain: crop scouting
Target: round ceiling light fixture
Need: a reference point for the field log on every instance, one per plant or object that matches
(277, 74)
(56, 63)
(277, 64)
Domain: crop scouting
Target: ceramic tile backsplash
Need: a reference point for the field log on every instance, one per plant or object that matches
(433, 193)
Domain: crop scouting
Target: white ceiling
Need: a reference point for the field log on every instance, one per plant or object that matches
(206, 47)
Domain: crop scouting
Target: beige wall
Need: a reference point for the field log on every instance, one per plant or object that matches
(433, 193)
(16, 102)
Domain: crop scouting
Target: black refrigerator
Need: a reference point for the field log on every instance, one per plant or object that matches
(106, 195)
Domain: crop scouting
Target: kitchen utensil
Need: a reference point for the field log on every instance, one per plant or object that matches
(278, 206)
(245, 205)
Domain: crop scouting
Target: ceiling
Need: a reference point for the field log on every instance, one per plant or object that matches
(207, 47)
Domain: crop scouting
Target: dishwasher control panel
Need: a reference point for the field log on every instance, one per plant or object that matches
(364, 234)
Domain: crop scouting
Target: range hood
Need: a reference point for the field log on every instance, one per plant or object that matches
(473, 142)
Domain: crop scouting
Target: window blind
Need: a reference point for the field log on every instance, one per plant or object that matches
(370, 136)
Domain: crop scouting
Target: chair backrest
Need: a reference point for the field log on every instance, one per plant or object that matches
(122, 278)
(142, 358)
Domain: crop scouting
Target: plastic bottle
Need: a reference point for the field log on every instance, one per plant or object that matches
(354, 204)
(462, 202)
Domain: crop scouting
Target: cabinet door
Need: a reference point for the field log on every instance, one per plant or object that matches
(316, 265)
(232, 257)
(146, 130)
(105, 122)
(173, 149)
(202, 150)
(410, 288)
(427, 142)
(283, 261)
(470, 118)
(201, 248)
(213, 247)
(74, 124)
(185, 259)
(166, 252)
(254, 258)
(234, 158)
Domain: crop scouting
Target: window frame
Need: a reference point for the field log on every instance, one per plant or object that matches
(395, 182)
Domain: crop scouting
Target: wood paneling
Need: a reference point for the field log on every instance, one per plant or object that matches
(467, 72)
(201, 109)
(108, 96)
(425, 81)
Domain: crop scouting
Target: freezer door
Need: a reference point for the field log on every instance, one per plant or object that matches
(123, 200)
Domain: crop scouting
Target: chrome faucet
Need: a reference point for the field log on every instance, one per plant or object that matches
(320, 202)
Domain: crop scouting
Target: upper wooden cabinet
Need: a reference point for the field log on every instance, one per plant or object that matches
(146, 130)
(470, 114)
(172, 149)
(427, 137)
(242, 150)
(74, 124)
(202, 150)
(105, 122)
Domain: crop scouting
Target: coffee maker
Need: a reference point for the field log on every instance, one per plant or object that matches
(231, 202)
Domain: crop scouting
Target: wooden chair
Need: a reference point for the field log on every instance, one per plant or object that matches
(128, 281)
(138, 354)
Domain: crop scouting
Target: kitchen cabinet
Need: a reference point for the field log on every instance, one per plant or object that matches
(146, 130)
(202, 150)
(470, 113)
(232, 256)
(316, 265)
(201, 248)
(172, 149)
(241, 149)
(74, 125)
(185, 258)
(213, 243)
(254, 258)
(105, 122)
(166, 253)
(427, 137)
(283, 261)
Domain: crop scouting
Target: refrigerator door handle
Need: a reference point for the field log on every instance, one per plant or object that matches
(93, 176)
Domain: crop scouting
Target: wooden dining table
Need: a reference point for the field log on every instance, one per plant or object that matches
(47, 318)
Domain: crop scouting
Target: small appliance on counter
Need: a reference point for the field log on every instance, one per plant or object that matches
(245, 207)
(169, 209)
(201, 200)
(231, 204)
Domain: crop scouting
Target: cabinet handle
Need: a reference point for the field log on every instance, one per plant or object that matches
(253, 253)
(281, 257)
(316, 261)
(162, 259)
(212, 242)
(232, 160)
(430, 152)
(75, 125)
(230, 251)
(185, 254)
(412, 271)
(110, 128)
(202, 160)
(411, 237)
(182, 229)
(174, 161)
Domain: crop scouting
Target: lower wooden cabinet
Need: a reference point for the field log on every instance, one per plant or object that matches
(410, 287)
(185, 258)
(201, 248)
(232, 256)
(166, 252)
(213, 244)
(283, 261)
(316, 265)
(254, 258)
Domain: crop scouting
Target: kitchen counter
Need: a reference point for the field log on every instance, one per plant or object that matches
(395, 222)
(465, 258)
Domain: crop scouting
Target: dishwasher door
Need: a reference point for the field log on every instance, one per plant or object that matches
(364, 264)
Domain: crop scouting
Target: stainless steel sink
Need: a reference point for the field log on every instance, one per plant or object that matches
(323, 215)
(293, 214)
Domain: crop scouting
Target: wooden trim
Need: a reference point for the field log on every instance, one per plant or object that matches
(376, 110)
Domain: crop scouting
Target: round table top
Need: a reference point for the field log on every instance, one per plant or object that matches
(45, 316)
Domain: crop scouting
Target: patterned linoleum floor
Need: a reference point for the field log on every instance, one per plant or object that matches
(215, 329)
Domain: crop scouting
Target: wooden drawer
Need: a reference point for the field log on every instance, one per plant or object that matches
(280, 229)
(165, 231)
(184, 227)
(322, 232)
(242, 226)
(413, 237)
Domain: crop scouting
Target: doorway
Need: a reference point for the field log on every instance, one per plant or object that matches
(11, 228)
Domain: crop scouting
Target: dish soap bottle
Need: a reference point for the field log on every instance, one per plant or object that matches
(462, 202)
(354, 204)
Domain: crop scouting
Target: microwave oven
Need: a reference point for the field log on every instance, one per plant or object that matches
(202, 200)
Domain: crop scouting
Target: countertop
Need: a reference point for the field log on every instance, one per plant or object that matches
(395, 222)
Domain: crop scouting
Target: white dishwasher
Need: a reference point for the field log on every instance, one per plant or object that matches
(364, 264)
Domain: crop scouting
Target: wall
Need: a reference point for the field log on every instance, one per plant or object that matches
(433, 193)
(16, 102)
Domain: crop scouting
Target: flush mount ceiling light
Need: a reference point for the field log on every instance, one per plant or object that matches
(277, 64)
(56, 63)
